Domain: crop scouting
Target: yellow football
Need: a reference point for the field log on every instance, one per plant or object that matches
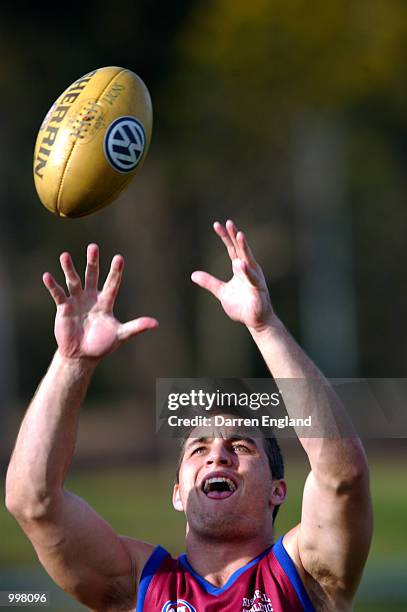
(92, 142)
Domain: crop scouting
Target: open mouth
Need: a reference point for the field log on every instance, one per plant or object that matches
(218, 487)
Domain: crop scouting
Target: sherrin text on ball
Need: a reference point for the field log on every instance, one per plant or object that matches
(92, 142)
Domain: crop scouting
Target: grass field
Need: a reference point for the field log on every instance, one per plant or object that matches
(137, 503)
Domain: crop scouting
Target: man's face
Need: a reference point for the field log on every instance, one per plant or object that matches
(225, 485)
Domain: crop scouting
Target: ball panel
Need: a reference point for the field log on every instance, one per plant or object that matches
(86, 186)
(55, 142)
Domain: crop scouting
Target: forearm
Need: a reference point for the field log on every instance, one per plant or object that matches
(47, 436)
(331, 444)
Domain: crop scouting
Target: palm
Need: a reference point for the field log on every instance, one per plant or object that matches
(242, 302)
(83, 329)
(85, 325)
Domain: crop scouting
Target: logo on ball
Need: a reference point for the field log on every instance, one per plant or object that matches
(124, 144)
(178, 606)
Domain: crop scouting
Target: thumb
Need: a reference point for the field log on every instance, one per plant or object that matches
(208, 282)
(136, 326)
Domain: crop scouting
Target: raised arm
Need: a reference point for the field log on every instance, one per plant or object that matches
(331, 544)
(80, 551)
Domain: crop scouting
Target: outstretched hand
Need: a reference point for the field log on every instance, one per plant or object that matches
(85, 325)
(245, 297)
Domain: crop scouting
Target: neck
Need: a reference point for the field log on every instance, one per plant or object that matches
(216, 561)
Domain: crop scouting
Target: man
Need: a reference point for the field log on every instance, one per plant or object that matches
(317, 565)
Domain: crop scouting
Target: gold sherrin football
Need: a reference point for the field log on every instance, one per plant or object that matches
(92, 142)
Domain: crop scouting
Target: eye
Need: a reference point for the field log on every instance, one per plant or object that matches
(199, 450)
(241, 448)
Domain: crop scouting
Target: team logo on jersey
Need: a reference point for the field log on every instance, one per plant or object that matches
(124, 143)
(178, 606)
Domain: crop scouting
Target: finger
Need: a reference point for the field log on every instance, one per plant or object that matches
(73, 282)
(245, 252)
(208, 282)
(56, 291)
(232, 233)
(224, 236)
(249, 272)
(137, 326)
(112, 282)
(92, 267)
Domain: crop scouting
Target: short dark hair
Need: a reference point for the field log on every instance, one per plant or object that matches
(271, 448)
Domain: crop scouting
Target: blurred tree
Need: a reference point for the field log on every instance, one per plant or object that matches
(42, 51)
(248, 75)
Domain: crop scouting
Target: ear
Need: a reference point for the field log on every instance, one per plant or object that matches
(176, 499)
(278, 492)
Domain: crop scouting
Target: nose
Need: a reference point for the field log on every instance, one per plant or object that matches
(219, 454)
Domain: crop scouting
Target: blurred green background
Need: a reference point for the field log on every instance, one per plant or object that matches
(290, 118)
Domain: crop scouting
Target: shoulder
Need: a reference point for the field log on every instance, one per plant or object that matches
(288, 573)
(318, 581)
(290, 542)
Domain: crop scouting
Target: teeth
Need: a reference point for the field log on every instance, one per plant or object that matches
(209, 481)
